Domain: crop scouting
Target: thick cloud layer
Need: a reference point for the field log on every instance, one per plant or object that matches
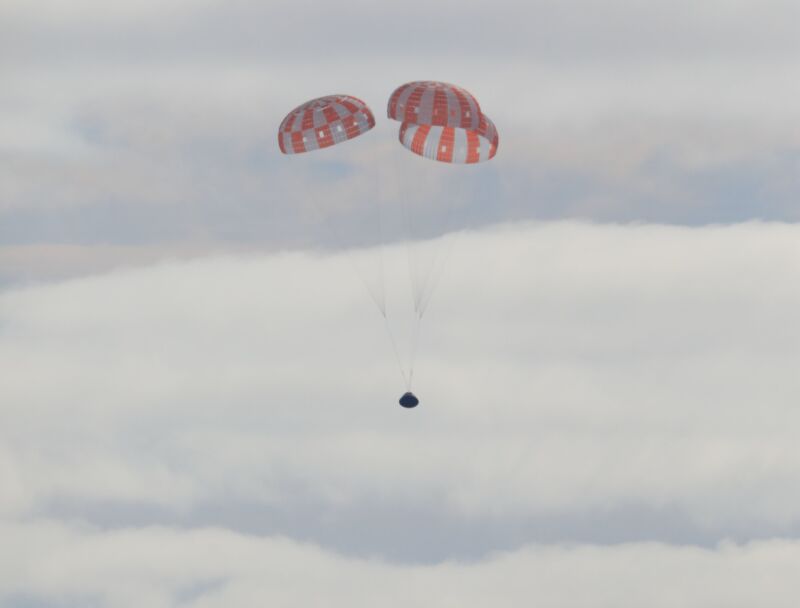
(160, 567)
(582, 383)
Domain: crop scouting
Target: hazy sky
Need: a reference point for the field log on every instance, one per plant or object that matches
(198, 397)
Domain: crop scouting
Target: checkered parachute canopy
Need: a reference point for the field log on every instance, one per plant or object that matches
(324, 122)
(451, 144)
(428, 102)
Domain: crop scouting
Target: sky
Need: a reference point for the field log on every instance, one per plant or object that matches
(198, 396)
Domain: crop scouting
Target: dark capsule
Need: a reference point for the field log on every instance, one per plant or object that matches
(409, 400)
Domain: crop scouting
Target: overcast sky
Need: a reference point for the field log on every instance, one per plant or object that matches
(198, 397)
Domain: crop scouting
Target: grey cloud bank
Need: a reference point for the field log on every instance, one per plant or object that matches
(610, 111)
(210, 567)
(610, 29)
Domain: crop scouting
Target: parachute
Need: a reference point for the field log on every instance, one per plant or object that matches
(324, 122)
(451, 144)
(439, 121)
(428, 102)
(442, 121)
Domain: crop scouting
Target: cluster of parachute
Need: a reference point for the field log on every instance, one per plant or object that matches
(438, 121)
(443, 122)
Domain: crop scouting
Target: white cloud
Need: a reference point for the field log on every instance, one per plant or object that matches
(564, 368)
(209, 567)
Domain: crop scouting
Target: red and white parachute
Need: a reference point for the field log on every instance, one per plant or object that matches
(324, 122)
(428, 102)
(451, 144)
(443, 122)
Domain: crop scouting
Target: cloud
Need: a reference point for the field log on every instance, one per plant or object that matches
(212, 567)
(198, 401)
(185, 155)
(579, 382)
(584, 31)
(154, 125)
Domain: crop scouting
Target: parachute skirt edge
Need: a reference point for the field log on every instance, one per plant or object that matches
(450, 144)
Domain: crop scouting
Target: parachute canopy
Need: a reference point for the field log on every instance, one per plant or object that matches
(427, 102)
(324, 122)
(449, 144)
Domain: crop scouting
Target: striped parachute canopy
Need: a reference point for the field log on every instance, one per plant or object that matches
(324, 122)
(427, 102)
(450, 144)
